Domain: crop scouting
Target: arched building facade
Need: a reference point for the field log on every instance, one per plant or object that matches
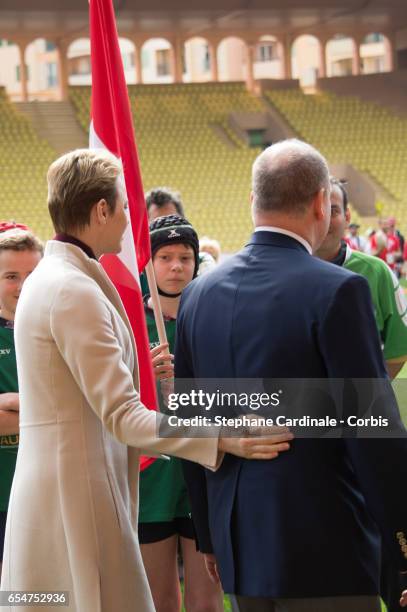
(42, 65)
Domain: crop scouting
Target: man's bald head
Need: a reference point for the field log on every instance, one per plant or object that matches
(287, 176)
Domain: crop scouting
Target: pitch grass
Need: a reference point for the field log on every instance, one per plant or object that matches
(400, 385)
(400, 389)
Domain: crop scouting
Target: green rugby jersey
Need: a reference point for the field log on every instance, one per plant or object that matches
(163, 493)
(388, 299)
(8, 383)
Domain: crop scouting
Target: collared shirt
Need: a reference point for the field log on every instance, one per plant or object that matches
(8, 384)
(279, 230)
(343, 254)
(72, 240)
(6, 323)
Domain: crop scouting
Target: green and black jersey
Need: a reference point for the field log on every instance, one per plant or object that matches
(163, 492)
(388, 300)
(8, 384)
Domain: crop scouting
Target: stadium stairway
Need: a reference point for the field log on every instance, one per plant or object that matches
(186, 141)
(56, 123)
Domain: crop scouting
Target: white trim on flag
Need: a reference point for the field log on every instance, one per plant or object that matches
(127, 255)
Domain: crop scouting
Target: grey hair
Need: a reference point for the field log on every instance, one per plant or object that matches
(286, 176)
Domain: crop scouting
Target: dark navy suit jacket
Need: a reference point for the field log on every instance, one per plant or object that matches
(304, 524)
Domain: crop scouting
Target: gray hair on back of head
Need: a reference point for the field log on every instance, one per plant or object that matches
(287, 176)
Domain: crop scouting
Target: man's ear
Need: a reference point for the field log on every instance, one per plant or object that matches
(319, 205)
(347, 216)
(252, 211)
(101, 211)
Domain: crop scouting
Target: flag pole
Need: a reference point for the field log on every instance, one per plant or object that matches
(167, 384)
(112, 129)
(158, 313)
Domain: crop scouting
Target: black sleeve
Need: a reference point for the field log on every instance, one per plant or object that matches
(198, 495)
(194, 474)
(349, 338)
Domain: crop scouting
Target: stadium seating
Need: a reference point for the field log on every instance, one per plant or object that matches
(177, 129)
(345, 129)
(24, 160)
(185, 142)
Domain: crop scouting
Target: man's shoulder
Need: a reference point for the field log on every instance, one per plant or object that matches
(214, 278)
(326, 281)
(307, 270)
(358, 258)
(368, 265)
(326, 268)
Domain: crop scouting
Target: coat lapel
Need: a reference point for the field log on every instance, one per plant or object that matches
(94, 270)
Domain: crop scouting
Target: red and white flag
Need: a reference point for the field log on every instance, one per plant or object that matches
(112, 129)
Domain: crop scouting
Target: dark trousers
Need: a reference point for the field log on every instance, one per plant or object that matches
(318, 604)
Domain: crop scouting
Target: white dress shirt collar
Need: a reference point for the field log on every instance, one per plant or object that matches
(279, 230)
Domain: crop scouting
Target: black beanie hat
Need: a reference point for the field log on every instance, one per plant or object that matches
(174, 229)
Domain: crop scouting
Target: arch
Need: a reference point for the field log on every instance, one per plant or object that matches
(128, 53)
(10, 68)
(306, 59)
(157, 61)
(79, 63)
(269, 58)
(232, 59)
(43, 73)
(79, 66)
(340, 52)
(375, 53)
(197, 60)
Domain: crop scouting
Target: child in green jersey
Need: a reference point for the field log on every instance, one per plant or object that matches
(164, 518)
(20, 252)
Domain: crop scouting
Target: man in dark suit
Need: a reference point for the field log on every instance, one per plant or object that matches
(298, 533)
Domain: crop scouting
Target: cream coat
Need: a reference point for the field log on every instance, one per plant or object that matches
(73, 507)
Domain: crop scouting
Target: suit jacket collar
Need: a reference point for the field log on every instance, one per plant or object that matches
(276, 239)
